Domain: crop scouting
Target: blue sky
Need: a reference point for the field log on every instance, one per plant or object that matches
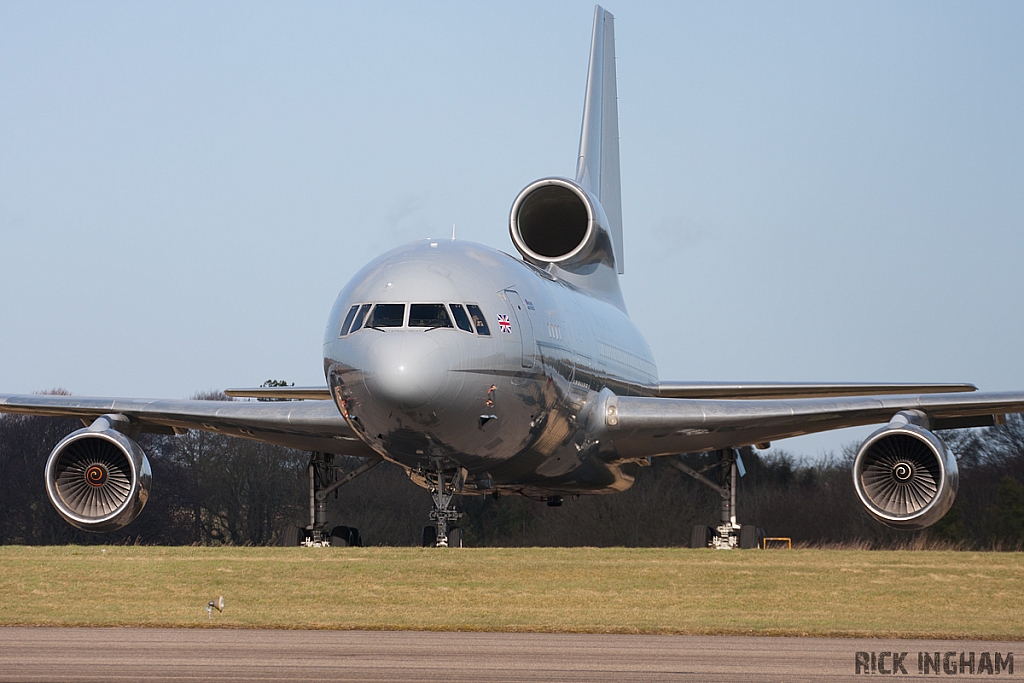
(811, 191)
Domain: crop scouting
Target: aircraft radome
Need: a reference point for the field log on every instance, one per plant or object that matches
(481, 373)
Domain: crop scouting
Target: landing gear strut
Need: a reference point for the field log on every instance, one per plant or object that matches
(444, 514)
(728, 534)
(325, 477)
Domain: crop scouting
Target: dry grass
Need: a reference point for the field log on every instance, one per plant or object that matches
(798, 592)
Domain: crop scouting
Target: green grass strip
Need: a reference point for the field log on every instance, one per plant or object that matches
(909, 594)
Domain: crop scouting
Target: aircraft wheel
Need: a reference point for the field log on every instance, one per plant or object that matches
(291, 536)
(429, 537)
(346, 536)
(340, 536)
(701, 536)
(455, 537)
(750, 537)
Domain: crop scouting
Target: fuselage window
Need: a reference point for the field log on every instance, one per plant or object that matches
(478, 319)
(461, 319)
(428, 315)
(348, 320)
(387, 315)
(358, 322)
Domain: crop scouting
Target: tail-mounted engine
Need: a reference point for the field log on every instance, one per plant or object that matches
(97, 477)
(555, 220)
(905, 476)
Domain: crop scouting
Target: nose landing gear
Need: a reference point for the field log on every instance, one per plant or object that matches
(443, 534)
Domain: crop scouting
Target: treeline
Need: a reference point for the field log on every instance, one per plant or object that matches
(210, 489)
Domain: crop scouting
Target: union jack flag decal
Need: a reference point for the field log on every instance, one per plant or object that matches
(504, 324)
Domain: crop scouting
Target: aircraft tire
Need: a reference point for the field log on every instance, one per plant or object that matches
(700, 537)
(750, 537)
(429, 537)
(291, 536)
(341, 536)
(455, 537)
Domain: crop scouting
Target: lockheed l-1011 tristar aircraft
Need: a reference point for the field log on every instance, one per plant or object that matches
(481, 373)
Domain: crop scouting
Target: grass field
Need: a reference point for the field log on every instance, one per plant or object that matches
(795, 592)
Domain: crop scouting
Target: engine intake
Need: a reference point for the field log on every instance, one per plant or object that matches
(554, 220)
(97, 478)
(905, 476)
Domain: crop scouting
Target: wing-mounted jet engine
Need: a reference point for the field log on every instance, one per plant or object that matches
(904, 474)
(98, 478)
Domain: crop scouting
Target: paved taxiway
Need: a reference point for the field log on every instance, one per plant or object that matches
(138, 654)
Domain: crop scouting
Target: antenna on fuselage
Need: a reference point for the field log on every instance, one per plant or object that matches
(453, 232)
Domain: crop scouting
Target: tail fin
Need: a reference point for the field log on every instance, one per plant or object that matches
(573, 228)
(598, 165)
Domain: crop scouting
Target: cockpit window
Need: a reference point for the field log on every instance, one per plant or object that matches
(461, 319)
(478, 320)
(387, 315)
(428, 315)
(358, 322)
(348, 320)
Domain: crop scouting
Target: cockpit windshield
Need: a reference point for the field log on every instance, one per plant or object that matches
(358, 322)
(348, 320)
(428, 315)
(466, 317)
(461, 319)
(387, 315)
(478, 320)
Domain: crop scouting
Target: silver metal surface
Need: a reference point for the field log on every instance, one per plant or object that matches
(597, 167)
(308, 425)
(740, 390)
(664, 426)
(905, 476)
(548, 208)
(550, 389)
(670, 389)
(97, 478)
(283, 393)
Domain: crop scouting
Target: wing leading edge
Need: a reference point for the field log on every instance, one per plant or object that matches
(731, 390)
(770, 390)
(642, 426)
(283, 393)
(307, 425)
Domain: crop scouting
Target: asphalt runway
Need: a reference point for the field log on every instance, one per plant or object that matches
(139, 654)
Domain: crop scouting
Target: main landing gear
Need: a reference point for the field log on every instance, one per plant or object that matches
(442, 534)
(325, 477)
(728, 534)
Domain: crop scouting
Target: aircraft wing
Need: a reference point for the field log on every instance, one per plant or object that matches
(307, 425)
(642, 426)
(283, 393)
(748, 390)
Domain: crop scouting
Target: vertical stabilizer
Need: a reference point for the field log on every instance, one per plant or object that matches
(598, 165)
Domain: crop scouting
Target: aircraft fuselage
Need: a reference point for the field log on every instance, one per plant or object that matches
(506, 400)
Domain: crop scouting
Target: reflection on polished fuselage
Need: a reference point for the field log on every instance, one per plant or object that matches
(508, 400)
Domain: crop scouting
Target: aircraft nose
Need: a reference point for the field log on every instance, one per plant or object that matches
(405, 369)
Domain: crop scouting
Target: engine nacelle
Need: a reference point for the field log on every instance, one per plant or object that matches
(555, 220)
(98, 478)
(905, 476)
